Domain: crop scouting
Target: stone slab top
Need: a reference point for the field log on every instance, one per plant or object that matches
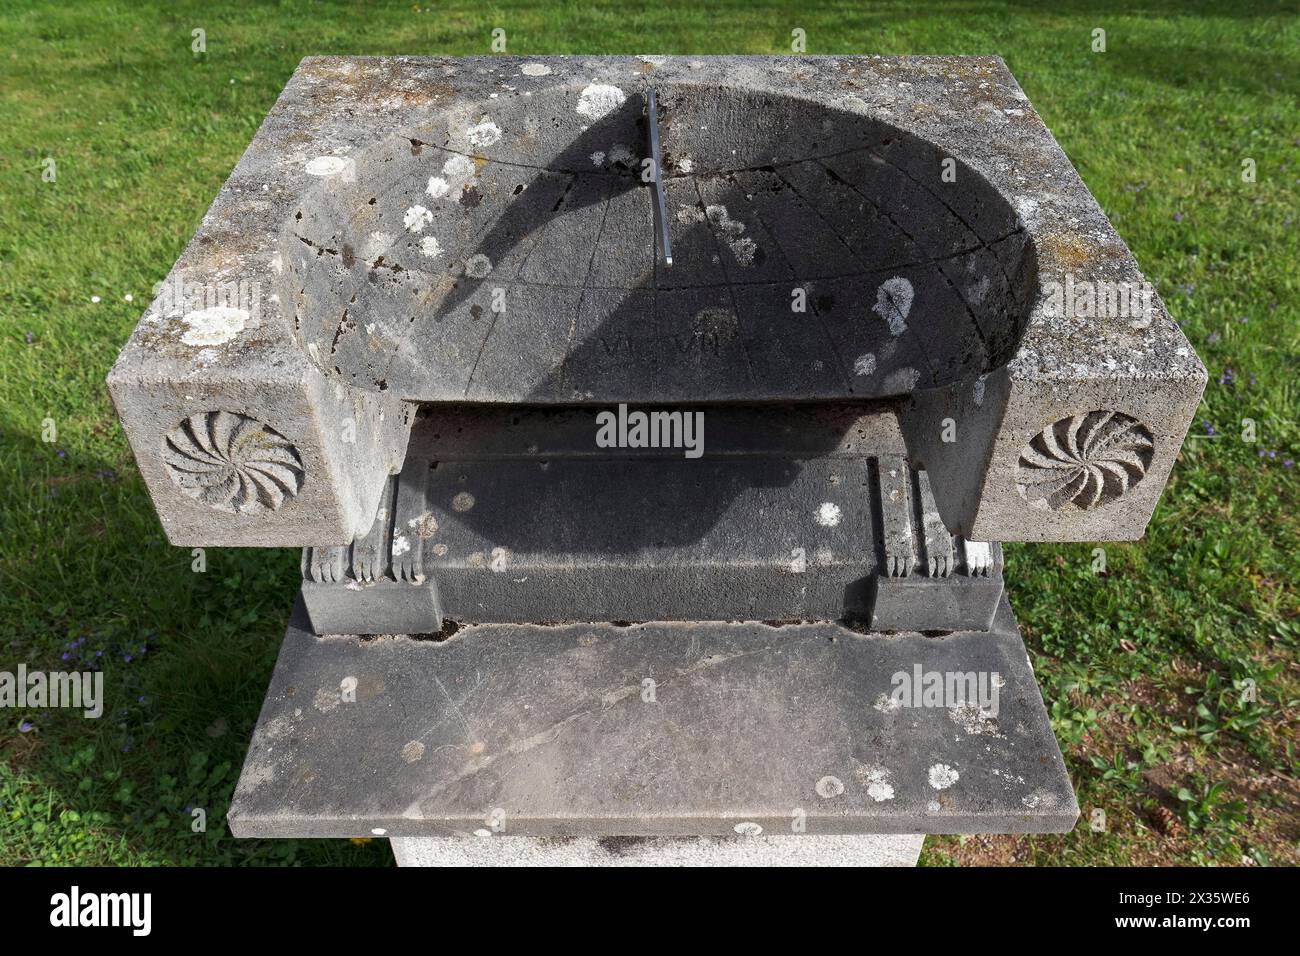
(660, 729)
(443, 140)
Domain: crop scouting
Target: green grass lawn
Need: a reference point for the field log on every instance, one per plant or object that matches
(1144, 668)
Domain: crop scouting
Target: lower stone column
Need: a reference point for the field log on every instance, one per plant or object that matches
(784, 850)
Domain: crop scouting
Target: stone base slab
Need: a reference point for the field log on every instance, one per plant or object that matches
(787, 850)
(662, 729)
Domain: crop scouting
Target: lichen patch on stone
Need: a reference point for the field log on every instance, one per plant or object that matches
(215, 325)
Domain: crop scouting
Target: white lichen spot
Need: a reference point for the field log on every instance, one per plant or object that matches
(902, 380)
(932, 806)
(828, 515)
(478, 266)
(880, 791)
(894, 302)
(430, 247)
(972, 719)
(879, 783)
(597, 158)
(598, 99)
(744, 250)
(748, 829)
(798, 561)
(378, 831)
(458, 169)
(413, 751)
(865, 364)
(483, 135)
(462, 502)
(401, 545)
(499, 560)
(942, 776)
(215, 325)
(416, 218)
(887, 704)
(536, 69)
(425, 525)
(977, 392)
(327, 165)
(1040, 798)
(686, 165)
(731, 232)
(829, 787)
(375, 245)
(438, 187)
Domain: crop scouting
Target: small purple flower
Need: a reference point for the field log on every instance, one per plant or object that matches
(65, 656)
(1288, 462)
(1271, 455)
(26, 726)
(127, 658)
(29, 337)
(1212, 338)
(1209, 429)
(99, 653)
(61, 453)
(1178, 217)
(1227, 378)
(1252, 378)
(126, 748)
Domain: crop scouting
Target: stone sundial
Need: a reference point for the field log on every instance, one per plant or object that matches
(389, 342)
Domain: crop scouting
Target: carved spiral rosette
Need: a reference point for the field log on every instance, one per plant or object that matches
(233, 462)
(1085, 460)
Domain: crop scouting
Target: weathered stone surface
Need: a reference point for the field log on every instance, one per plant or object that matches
(786, 515)
(869, 850)
(657, 729)
(438, 230)
(382, 607)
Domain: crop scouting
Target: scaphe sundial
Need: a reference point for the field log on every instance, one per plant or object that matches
(649, 427)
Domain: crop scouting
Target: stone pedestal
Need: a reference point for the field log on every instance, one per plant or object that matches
(786, 850)
(862, 366)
